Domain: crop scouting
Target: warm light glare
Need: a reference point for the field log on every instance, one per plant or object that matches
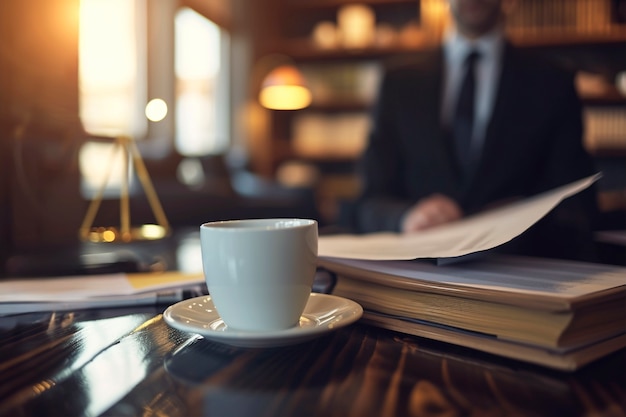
(357, 25)
(435, 16)
(284, 89)
(156, 110)
(285, 97)
(325, 34)
(109, 61)
(100, 163)
(108, 236)
(107, 56)
(153, 231)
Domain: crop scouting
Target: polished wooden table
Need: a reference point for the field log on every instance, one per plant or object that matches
(129, 362)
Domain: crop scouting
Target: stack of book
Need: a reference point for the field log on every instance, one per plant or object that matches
(554, 313)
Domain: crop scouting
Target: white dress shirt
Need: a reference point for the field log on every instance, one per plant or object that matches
(487, 70)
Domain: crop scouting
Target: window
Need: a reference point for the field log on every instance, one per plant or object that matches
(122, 81)
(112, 67)
(201, 85)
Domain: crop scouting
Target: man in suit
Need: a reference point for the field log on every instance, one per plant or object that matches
(525, 137)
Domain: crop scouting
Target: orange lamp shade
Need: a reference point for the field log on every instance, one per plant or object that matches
(284, 88)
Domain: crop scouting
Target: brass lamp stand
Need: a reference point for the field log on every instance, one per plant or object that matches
(125, 233)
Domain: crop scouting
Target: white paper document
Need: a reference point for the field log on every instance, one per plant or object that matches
(472, 234)
(78, 288)
(25, 295)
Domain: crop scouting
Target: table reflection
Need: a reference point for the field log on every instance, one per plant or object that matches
(365, 372)
(129, 362)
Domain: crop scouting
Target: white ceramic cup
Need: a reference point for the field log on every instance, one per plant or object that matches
(259, 272)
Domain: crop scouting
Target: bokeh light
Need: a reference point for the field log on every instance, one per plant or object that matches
(156, 110)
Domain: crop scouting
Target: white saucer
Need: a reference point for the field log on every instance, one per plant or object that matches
(323, 313)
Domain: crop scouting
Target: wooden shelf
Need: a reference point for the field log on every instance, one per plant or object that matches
(326, 158)
(609, 99)
(333, 4)
(340, 106)
(303, 49)
(559, 37)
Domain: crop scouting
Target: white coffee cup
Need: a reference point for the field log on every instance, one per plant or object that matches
(259, 272)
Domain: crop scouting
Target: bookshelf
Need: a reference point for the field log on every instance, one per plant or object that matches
(590, 34)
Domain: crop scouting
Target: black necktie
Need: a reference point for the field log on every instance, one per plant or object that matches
(463, 122)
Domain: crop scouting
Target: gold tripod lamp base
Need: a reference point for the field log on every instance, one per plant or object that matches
(126, 233)
(114, 234)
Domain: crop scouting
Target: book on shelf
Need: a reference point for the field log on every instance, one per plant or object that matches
(555, 313)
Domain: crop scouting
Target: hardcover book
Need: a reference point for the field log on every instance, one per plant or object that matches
(559, 314)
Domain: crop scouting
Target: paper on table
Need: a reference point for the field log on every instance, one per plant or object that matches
(476, 233)
(84, 287)
(144, 298)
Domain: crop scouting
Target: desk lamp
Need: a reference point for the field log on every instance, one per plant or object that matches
(284, 88)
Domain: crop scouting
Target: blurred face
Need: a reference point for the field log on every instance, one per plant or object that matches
(474, 18)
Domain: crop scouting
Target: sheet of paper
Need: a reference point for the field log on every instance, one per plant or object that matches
(147, 298)
(472, 234)
(504, 274)
(78, 288)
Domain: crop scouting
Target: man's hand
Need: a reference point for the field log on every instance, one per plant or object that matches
(431, 211)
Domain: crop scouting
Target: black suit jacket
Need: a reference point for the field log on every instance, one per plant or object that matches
(533, 143)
